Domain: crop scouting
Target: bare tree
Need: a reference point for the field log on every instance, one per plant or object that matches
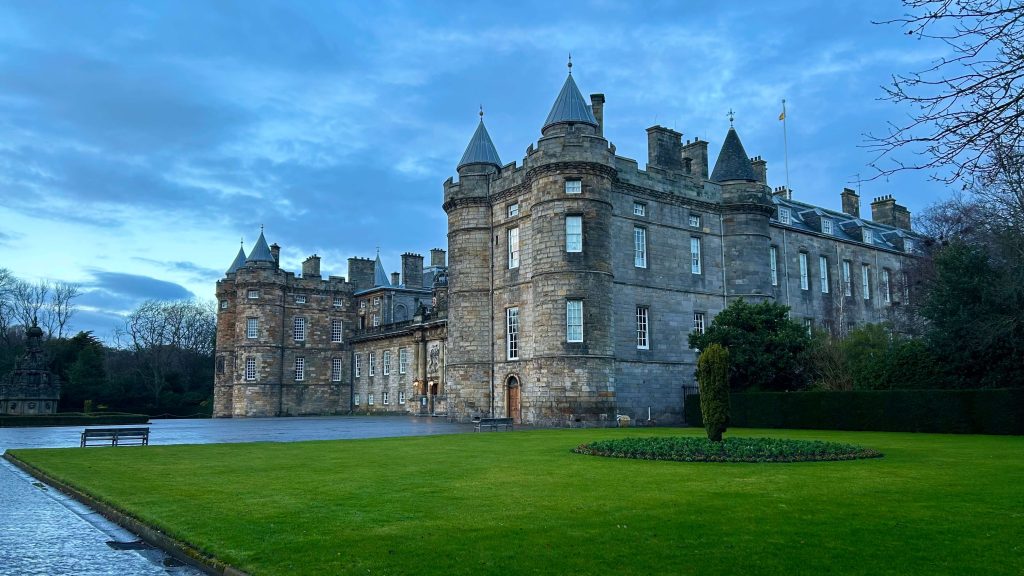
(7, 308)
(966, 106)
(166, 336)
(30, 302)
(60, 307)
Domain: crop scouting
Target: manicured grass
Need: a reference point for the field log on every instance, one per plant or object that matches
(523, 503)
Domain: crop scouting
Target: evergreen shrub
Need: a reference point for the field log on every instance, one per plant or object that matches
(713, 377)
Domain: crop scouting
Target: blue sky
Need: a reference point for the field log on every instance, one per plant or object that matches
(140, 142)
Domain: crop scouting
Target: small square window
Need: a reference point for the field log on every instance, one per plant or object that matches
(376, 301)
(639, 209)
(513, 210)
(252, 294)
(223, 304)
(908, 245)
(695, 220)
(573, 186)
(362, 305)
(300, 298)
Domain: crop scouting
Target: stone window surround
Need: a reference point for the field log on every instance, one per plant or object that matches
(403, 360)
(299, 328)
(252, 327)
(639, 209)
(698, 322)
(250, 368)
(337, 330)
(694, 220)
(573, 186)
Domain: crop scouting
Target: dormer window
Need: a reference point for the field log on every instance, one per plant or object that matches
(908, 245)
(573, 186)
(784, 215)
(826, 226)
(869, 238)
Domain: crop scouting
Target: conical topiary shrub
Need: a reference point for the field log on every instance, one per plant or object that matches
(713, 378)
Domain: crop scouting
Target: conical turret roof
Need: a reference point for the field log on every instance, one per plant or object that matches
(733, 162)
(570, 107)
(261, 252)
(239, 261)
(380, 277)
(480, 150)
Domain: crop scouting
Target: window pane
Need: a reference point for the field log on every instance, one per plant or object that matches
(773, 257)
(513, 247)
(695, 266)
(804, 282)
(573, 233)
(642, 341)
(574, 321)
(823, 274)
(640, 247)
(573, 186)
(512, 333)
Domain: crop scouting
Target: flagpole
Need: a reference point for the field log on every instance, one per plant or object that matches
(785, 145)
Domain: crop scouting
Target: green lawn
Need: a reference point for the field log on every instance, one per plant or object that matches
(521, 503)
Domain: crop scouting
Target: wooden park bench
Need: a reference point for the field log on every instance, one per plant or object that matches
(492, 423)
(115, 437)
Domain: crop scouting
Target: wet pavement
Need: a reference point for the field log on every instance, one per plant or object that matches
(43, 532)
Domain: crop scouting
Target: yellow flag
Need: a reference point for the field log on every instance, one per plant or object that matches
(783, 115)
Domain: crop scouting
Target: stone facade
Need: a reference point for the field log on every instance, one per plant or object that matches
(573, 282)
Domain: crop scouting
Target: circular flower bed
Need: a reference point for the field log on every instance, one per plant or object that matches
(693, 449)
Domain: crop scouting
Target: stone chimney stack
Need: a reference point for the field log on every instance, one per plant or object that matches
(697, 153)
(275, 251)
(395, 278)
(885, 210)
(412, 270)
(664, 148)
(760, 166)
(437, 257)
(311, 267)
(851, 202)
(360, 272)
(597, 107)
(783, 191)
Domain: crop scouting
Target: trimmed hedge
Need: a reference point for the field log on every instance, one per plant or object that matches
(943, 411)
(686, 449)
(72, 419)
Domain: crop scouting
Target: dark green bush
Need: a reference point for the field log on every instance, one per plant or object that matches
(943, 411)
(687, 449)
(72, 419)
(713, 377)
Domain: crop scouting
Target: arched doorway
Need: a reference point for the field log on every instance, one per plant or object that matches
(513, 408)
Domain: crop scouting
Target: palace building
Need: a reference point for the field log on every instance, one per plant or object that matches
(572, 282)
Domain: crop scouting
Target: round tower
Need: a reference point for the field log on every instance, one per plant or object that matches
(746, 209)
(469, 363)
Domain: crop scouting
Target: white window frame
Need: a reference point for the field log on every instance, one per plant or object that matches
(574, 233)
(784, 216)
(369, 398)
(252, 328)
(513, 247)
(886, 286)
(362, 304)
(698, 322)
(827, 226)
(385, 363)
(252, 294)
(385, 398)
(513, 210)
(694, 220)
(300, 298)
(869, 236)
(358, 361)
(773, 257)
(639, 209)
(299, 328)
(574, 186)
(695, 259)
(865, 277)
(355, 399)
(639, 247)
(574, 320)
(643, 335)
(403, 360)
(223, 304)
(512, 333)
(805, 282)
(847, 279)
(823, 274)
(908, 245)
(335, 369)
(376, 301)
(371, 363)
(300, 368)
(337, 330)
(250, 368)
(376, 320)
(338, 302)
(401, 396)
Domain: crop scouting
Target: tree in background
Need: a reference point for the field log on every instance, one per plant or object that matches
(767, 350)
(713, 378)
(967, 108)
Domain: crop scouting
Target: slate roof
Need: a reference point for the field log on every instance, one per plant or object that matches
(733, 162)
(260, 252)
(239, 261)
(842, 222)
(480, 150)
(380, 277)
(570, 107)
